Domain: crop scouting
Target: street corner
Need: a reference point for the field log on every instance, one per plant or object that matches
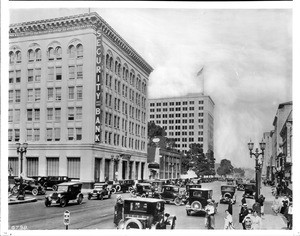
(14, 200)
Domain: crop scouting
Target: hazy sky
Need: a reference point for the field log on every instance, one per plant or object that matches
(246, 54)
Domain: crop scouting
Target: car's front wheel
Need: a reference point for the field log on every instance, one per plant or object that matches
(100, 197)
(63, 202)
(113, 190)
(34, 192)
(178, 201)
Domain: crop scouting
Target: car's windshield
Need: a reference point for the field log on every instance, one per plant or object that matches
(138, 206)
(62, 188)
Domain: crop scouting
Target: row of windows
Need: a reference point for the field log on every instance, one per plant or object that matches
(158, 104)
(173, 109)
(52, 134)
(184, 121)
(53, 53)
(179, 127)
(134, 81)
(177, 115)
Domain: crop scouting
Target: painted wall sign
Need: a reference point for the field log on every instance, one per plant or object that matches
(99, 72)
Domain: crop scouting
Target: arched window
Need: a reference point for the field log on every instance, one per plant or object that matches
(30, 55)
(50, 54)
(119, 69)
(38, 54)
(18, 56)
(79, 51)
(58, 53)
(11, 57)
(116, 67)
(107, 61)
(133, 80)
(71, 51)
(111, 63)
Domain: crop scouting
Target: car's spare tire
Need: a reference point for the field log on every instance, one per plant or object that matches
(133, 224)
(227, 195)
(196, 205)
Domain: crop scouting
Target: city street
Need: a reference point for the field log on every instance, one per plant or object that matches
(96, 214)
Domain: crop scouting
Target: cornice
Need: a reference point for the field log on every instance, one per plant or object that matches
(76, 22)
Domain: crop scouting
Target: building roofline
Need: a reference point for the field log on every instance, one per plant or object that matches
(75, 22)
(189, 95)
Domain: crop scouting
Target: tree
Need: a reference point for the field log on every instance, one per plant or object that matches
(153, 131)
(200, 163)
(225, 167)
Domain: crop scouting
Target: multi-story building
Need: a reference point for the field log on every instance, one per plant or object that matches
(267, 162)
(78, 97)
(188, 119)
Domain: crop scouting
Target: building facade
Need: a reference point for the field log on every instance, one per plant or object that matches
(267, 163)
(78, 97)
(188, 119)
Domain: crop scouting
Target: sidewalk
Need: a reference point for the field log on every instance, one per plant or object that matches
(271, 221)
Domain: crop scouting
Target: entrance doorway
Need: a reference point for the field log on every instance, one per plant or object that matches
(124, 169)
(97, 170)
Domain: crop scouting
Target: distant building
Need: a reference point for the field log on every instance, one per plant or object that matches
(78, 97)
(267, 164)
(187, 119)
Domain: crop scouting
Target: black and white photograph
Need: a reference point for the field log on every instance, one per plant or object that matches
(175, 118)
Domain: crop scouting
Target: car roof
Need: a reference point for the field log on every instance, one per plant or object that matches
(70, 183)
(151, 200)
(203, 189)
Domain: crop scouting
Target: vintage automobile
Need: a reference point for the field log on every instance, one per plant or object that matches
(157, 184)
(65, 193)
(145, 213)
(52, 181)
(28, 185)
(174, 194)
(122, 185)
(197, 200)
(144, 190)
(191, 185)
(249, 190)
(228, 194)
(100, 191)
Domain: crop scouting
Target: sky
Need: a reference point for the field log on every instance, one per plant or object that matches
(246, 55)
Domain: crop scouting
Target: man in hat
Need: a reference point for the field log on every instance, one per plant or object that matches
(210, 212)
(118, 214)
(243, 214)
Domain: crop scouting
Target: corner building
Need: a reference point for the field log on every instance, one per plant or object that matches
(78, 97)
(187, 119)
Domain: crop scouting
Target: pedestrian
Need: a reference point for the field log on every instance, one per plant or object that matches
(244, 200)
(228, 223)
(118, 214)
(247, 221)
(256, 221)
(210, 212)
(261, 200)
(242, 215)
(285, 203)
(276, 205)
(230, 202)
(290, 216)
(257, 207)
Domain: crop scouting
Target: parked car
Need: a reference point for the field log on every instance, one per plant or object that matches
(100, 191)
(122, 185)
(228, 193)
(145, 213)
(197, 200)
(173, 193)
(65, 193)
(249, 190)
(52, 181)
(145, 190)
(157, 184)
(29, 186)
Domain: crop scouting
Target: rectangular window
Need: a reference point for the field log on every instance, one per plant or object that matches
(36, 114)
(32, 166)
(30, 75)
(79, 72)
(50, 94)
(70, 134)
(13, 163)
(18, 76)
(37, 77)
(17, 135)
(11, 77)
(37, 94)
(30, 95)
(58, 73)
(78, 113)
(71, 113)
(71, 72)
(10, 115)
(57, 134)
(79, 92)
(10, 96)
(49, 114)
(18, 95)
(36, 133)
(17, 115)
(10, 135)
(71, 93)
(78, 133)
(29, 114)
(57, 114)
(57, 94)
(49, 134)
(73, 168)
(50, 73)
(52, 166)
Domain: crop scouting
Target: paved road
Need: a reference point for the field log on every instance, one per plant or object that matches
(97, 214)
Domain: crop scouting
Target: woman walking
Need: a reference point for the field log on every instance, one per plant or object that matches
(228, 224)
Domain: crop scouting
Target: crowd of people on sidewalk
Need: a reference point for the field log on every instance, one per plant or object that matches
(284, 206)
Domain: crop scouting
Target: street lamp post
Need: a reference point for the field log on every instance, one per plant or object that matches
(21, 148)
(258, 166)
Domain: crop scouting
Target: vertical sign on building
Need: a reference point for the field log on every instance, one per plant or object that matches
(99, 72)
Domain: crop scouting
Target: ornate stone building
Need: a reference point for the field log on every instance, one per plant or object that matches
(78, 97)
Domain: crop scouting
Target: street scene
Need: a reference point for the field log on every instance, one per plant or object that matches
(185, 121)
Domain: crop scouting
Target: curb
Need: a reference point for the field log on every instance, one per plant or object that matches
(22, 201)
